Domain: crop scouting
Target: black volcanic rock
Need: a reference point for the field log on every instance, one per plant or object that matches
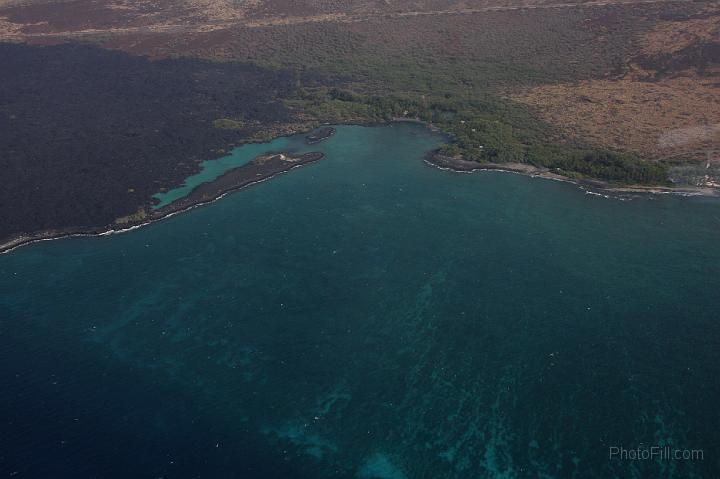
(89, 135)
(319, 135)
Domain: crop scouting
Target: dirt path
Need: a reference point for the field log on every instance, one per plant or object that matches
(12, 32)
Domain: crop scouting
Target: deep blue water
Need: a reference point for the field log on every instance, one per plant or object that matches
(368, 316)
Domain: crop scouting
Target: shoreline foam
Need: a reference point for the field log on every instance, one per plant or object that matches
(590, 186)
(180, 206)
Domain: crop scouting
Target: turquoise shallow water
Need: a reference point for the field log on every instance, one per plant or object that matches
(211, 169)
(368, 316)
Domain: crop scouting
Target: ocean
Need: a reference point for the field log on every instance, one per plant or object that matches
(369, 316)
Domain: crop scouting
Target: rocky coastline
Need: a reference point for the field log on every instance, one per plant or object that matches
(460, 165)
(260, 169)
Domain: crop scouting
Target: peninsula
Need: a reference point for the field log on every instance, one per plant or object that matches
(258, 170)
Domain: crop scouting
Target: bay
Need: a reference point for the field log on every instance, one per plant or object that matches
(369, 316)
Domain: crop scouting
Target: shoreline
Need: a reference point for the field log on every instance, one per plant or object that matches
(590, 186)
(26, 239)
(432, 158)
(319, 135)
(259, 170)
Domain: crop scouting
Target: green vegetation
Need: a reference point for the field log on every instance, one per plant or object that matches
(486, 129)
(228, 124)
(139, 215)
(455, 72)
(601, 164)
